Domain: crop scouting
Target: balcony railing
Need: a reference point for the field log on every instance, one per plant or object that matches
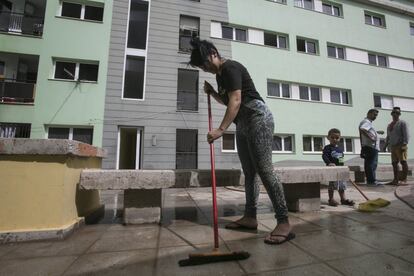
(21, 23)
(13, 91)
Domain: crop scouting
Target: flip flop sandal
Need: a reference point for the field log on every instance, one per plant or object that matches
(332, 203)
(289, 237)
(237, 226)
(348, 202)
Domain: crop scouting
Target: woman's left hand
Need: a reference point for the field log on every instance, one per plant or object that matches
(214, 134)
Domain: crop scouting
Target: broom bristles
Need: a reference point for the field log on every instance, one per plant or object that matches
(212, 257)
(373, 205)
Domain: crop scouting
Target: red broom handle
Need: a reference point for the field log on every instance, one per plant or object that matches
(213, 176)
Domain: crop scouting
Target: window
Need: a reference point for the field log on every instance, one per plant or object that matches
(82, 11)
(227, 32)
(339, 96)
(412, 28)
(236, 33)
(189, 28)
(279, 1)
(382, 101)
(331, 9)
(282, 143)
(137, 25)
(377, 60)
(307, 4)
(306, 46)
(374, 19)
(336, 52)
(313, 144)
(241, 35)
(276, 89)
(134, 77)
(309, 93)
(186, 149)
(84, 135)
(346, 145)
(14, 130)
(275, 40)
(76, 71)
(187, 94)
(229, 142)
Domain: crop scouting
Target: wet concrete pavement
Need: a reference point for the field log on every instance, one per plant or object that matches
(332, 241)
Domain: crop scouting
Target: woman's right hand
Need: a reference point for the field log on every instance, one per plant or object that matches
(208, 89)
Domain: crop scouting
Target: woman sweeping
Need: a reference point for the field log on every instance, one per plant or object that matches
(254, 135)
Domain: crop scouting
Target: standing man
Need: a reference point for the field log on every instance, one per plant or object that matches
(370, 147)
(397, 139)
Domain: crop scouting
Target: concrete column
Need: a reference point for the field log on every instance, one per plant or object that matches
(142, 206)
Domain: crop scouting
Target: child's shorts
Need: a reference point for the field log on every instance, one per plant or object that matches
(337, 185)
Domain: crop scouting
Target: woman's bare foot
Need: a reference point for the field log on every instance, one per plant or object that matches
(280, 234)
(243, 223)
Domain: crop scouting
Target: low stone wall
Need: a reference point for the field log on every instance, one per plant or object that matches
(383, 172)
(142, 188)
(39, 193)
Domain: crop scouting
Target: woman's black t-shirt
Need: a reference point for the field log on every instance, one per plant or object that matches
(234, 76)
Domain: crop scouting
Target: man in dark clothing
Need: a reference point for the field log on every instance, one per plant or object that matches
(397, 139)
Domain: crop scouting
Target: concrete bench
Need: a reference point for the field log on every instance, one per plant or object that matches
(384, 172)
(142, 188)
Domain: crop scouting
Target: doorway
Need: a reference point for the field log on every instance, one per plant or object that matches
(129, 148)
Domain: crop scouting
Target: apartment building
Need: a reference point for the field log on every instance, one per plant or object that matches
(318, 64)
(116, 74)
(53, 61)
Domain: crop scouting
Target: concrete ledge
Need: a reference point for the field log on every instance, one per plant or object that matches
(92, 179)
(312, 174)
(384, 172)
(23, 146)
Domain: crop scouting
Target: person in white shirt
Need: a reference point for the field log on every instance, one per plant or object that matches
(370, 143)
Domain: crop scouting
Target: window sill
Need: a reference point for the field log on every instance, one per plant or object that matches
(300, 100)
(312, 152)
(283, 152)
(381, 27)
(17, 103)
(21, 34)
(276, 2)
(66, 80)
(310, 54)
(186, 111)
(313, 10)
(79, 19)
(229, 151)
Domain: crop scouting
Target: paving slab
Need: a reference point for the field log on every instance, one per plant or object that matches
(306, 270)
(194, 235)
(139, 262)
(381, 239)
(402, 227)
(266, 257)
(127, 239)
(74, 245)
(406, 253)
(298, 225)
(167, 263)
(36, 266)
(327, 245)
(7, 248)
(373, 264)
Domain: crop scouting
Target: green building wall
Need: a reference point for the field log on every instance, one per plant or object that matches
(316, 118)
(61, 102)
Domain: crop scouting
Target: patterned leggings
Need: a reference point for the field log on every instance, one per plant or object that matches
(254, 136)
